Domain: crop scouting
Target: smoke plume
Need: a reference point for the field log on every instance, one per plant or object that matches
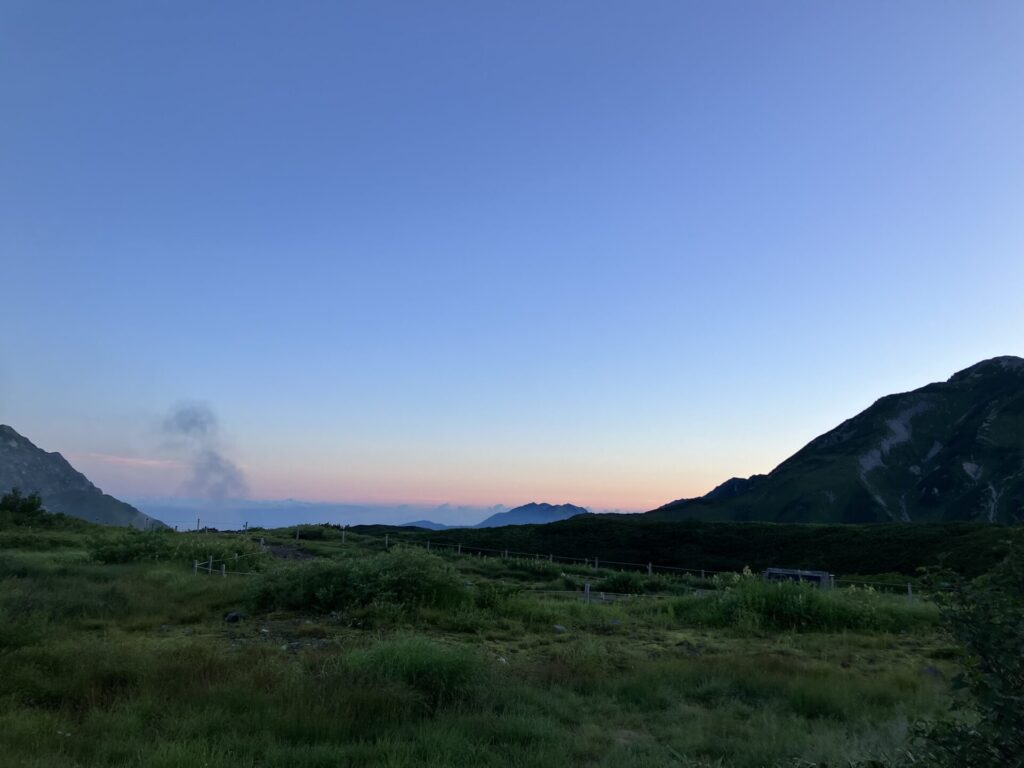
(193, 430)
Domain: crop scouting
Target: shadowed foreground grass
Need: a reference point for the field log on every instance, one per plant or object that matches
(404, 658)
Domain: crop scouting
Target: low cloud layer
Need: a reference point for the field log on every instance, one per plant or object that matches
(193, 429)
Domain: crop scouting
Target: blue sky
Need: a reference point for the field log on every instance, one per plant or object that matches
(481, 253)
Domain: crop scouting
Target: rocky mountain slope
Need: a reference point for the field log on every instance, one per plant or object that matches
(61, 486)
(947, 451)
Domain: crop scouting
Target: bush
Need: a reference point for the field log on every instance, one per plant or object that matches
(625, 582)
(751, 604)
(401, 577)
(987, 617)
(17, 510)
(130, 546)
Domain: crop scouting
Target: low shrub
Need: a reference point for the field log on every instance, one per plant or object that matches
(626, 582)
(403, 577)
(20, 510)
(129, 546)
(986, 616)
(751, 604)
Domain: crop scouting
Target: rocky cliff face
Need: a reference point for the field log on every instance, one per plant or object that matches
(61, 486)
(948, 451)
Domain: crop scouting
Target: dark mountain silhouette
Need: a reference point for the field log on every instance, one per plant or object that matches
(61, 486)
(533, 513)
(950, 451)
(430, 525)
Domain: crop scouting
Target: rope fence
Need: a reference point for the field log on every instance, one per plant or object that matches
(597, 563)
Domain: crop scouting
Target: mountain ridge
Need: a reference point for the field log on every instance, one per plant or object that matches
(63, 488)
(947, 451)
(533, 513)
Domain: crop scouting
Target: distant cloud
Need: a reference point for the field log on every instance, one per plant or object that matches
(193, 429)
(129, 461)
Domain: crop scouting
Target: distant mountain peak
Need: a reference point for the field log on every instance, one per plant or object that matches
(533, 513)
(63, 488)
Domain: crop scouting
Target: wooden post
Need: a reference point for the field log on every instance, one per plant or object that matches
(209, 565)
(586, 592)
(702, 574)
(224, 570)
(195, 567)
(342, 535)
(385, 541)
(505, 554)
(263, 543)
(236, 561)
(910, 591)
(428, 545)
(595, 563)
(459, 552)
(650, 569)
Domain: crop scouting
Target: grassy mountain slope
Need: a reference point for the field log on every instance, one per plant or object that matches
(947, 451)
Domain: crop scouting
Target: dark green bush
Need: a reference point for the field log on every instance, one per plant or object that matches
(987, 617)
(626, 582)
(752, 604)
(19, 510)
(489, 595)
(401, 577)
(129, 546)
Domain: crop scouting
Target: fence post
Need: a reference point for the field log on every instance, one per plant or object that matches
(385, 541)
(209, 565)
(910, 591)
(428, 545)
(650, 569)
(342, 535)
(504, 555)
(702, 574)
(586, 592)
(224, 570)
(551, 558)
(263, 543)
(460, 549)
(595, 563)
(195, 567)
(236, 561)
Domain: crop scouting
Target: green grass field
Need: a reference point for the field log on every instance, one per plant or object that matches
(113, 653)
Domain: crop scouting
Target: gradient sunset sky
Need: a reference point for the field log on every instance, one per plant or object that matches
(609, 253)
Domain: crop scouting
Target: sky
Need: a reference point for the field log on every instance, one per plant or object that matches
(474, 253)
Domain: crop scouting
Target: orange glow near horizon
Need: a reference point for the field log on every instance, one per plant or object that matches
(594, 489)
